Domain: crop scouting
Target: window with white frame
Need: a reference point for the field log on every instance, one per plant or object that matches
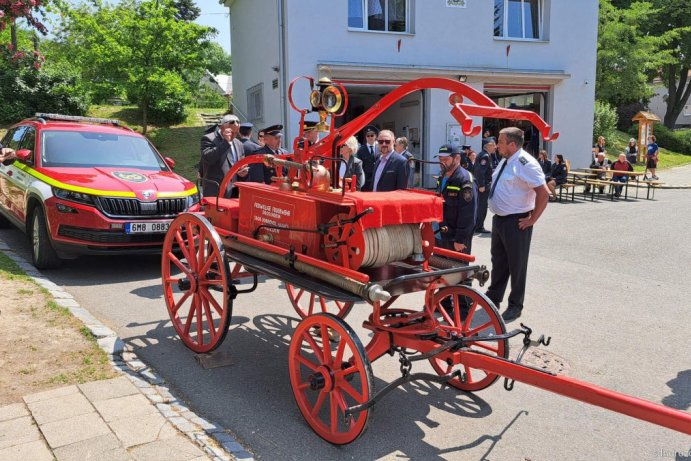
(379, 15)
(521, 19)
(255, 102)
(687, 111)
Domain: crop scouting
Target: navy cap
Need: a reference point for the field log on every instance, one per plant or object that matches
(246, 125)
(273, 130)
(465, 146)
(371, 129)
(448, 150)
(309, 125)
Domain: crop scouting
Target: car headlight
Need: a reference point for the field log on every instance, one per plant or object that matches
(73, 196)
(193, 199)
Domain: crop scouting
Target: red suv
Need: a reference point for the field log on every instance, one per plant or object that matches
(88, 186)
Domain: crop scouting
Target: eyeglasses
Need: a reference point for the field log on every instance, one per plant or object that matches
(383, 141)
(370, 135)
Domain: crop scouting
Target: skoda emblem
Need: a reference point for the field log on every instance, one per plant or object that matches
(147, 194)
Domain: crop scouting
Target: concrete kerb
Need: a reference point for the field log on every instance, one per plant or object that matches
(215, 440)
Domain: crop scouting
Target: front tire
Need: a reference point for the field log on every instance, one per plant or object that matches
(43, 254)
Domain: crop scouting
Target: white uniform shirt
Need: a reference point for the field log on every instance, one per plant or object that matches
(514, 192)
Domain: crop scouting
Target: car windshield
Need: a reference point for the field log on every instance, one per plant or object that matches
(92, 149)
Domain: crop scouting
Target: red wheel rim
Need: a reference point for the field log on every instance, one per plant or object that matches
(329, 372)
(482, 320)
(195, 284)
(307, 303)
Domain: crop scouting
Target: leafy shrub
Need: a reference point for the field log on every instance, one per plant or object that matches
(674, 140)
(207, 97)
(605, 120)
(25, 90)
(168, 97)
(626, 113)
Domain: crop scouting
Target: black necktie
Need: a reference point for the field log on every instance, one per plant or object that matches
(371, 150)
(496, 181)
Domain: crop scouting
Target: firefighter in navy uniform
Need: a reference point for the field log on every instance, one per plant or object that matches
(458, 188)
(272, 146)
(245, 137)
(482, 170)
(310, 134)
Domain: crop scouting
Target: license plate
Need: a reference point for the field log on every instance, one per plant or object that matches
(155, 227)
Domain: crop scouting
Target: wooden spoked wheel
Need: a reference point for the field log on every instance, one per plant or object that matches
(329, 372)
(195, 285)
(307, 303)
(468, 313)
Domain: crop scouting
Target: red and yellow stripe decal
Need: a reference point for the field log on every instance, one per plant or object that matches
(87, 190)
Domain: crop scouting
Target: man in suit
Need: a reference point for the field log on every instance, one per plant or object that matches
(401, 147)
(368, 153)
(272, 146)
(391, 169)
(220, 149)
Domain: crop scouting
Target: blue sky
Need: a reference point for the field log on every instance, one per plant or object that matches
(215, 15)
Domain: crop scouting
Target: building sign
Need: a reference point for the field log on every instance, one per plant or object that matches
(456, 3)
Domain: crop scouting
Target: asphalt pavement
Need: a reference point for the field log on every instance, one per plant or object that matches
(608, 281)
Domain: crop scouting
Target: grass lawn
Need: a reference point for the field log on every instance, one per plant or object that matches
(667, 158)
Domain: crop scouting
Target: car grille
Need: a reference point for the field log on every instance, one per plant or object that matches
(132, 208)
(104, 236)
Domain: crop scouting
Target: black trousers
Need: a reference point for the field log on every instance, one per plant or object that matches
(481, 209)
(510, 249)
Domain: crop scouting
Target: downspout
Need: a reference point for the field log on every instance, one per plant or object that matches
(283, 73)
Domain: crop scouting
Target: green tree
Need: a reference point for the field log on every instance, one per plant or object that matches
(673, 17)
(141, 48)
(216, 60)
(187, 10)
(626, 54)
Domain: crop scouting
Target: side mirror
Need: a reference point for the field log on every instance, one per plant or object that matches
(23, 154)
(170, 162)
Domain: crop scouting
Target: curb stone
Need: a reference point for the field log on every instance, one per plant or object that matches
(212, 438)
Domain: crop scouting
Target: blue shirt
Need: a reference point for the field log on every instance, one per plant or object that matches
(652, 149)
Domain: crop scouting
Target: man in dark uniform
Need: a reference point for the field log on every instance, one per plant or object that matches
(369, 153)
(465, 157)
(272, 146)
(457, 187)
(310, 134)
(220, 149)
(517, 198)
(482, 170)
(245, 137)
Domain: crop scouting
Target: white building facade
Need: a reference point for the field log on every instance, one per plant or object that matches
(537, 55)
(658, 106)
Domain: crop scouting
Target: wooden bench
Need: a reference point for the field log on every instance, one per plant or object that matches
(649, 186)
(566, 187)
